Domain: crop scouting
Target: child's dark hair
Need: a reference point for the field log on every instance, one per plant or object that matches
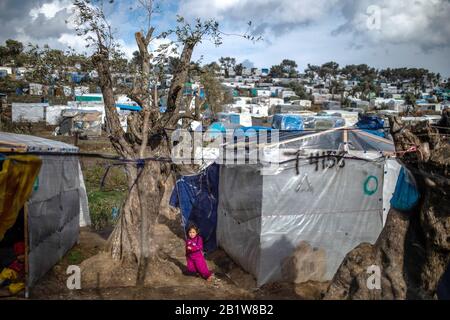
(193, 226)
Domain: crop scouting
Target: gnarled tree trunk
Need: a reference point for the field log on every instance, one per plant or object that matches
(133, 240)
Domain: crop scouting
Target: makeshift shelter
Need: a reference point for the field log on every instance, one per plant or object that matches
(309, 201)
(46, 194)
(28, 112)
(287, 122)
(86, 123)
(53, 114)
(324, 122)
(235, 118)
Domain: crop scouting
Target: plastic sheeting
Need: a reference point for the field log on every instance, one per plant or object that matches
(406, 195)
(250, 131)
(263, 218)
(232, 118)
(325, 122)
(335, 202)
(371, 124)
(85, 217)
(391, 171)
(87, 123)
(197, 197)
(340, 139)
(53, 115)
(54, 205)
(28, 112)
(287, 122)
(53, 214)
(34, 143)
(217, 129)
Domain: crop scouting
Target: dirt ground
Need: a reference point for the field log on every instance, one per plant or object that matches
(231, 282)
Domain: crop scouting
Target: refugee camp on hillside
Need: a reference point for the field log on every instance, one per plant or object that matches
(153, 174)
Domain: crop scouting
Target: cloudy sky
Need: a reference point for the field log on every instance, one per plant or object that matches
(381, 33)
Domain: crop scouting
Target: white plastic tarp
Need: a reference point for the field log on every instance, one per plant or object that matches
(85, 218)
(328, 202)
(28, 112)
(263, 218)
(53, 114)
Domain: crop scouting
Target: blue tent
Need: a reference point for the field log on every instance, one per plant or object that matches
(197, 197)
(287, 122)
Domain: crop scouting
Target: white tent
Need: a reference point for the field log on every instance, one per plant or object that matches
(331, 190)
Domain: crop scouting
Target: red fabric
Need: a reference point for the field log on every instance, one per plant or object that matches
(19, 248)
(17, 266)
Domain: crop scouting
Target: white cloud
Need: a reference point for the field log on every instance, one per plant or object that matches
(275, 15)
(420, 22)
(73, 41)
(49, 10)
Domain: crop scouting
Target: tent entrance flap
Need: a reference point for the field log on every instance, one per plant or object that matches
(197, 198)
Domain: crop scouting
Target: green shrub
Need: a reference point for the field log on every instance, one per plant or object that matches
(103, 202)
(101, 206)
(75, 257)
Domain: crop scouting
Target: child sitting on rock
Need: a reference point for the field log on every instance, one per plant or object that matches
(194, 254)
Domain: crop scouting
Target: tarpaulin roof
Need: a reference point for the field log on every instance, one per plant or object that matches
(32, 143)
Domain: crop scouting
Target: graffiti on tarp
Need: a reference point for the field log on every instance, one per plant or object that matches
(370, 185)
(327, 160)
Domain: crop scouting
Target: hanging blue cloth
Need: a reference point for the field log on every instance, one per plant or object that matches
(406, 195)
(197, 197)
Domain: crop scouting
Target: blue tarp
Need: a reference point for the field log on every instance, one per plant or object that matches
(406, 194)
(128, 107)
(371, 124)
(287, 122)
(197, 197)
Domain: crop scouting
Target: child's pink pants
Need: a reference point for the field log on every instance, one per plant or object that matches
(196, 263)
